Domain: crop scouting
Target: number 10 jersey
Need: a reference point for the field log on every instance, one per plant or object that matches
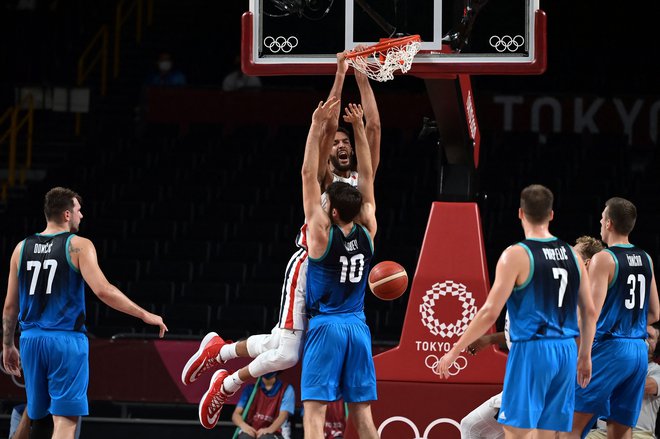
(336, 281)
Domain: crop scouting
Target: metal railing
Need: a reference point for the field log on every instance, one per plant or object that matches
(16, 124)
(100, 41)
(122, 14)
(85, 66)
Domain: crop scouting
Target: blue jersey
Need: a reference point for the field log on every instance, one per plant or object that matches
(51, 290)
(626, 304)
(337, 280)
(545, 306)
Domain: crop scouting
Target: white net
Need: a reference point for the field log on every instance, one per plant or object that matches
(381, 64)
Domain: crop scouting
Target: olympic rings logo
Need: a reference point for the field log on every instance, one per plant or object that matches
(506, 42)
(433, 363)
(414, 428)
(281, 44)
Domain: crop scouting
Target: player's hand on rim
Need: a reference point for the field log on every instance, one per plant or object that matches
(342, 64)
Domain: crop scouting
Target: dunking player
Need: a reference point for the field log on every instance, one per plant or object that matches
(481, 423)
(626, 294)
(542, 281)
(337, 355)
(280, 349)
(46, 283)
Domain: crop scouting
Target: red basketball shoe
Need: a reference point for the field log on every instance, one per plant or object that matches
(213, 400)
(204, 359)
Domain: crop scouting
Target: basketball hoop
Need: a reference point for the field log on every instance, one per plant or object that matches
(380, 61)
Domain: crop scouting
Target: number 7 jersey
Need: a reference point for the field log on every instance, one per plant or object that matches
(545, 305)
(624, 312)
(51, 290)
(336, 281)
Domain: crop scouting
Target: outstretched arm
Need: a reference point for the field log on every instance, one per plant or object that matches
(317, 220)
(372, 117)
(506, 273)
(108, 293)
(330, 126)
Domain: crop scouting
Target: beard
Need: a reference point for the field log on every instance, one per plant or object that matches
(339, 167)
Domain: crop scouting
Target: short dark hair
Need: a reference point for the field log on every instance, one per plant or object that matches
(622, 213)
(589, 246)
(536, 203)
(344, 130)
(346, 199)
(58, 200)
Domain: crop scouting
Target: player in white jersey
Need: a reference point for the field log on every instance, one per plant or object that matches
(281, 348)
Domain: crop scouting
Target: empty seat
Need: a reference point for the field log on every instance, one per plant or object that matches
(215, 271)
(176, 271)
(212, 293)
(188, 250)
(156, 292)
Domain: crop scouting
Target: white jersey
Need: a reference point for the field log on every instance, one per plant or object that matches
(352, 179)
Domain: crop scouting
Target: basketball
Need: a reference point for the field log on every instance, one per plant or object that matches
(388, 280)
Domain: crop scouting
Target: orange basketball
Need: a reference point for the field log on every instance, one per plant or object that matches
(388, 280)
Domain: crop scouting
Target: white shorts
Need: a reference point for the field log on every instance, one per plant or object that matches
(293, 312)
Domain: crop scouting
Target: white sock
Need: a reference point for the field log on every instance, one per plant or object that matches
(232, 383)
(228, 352)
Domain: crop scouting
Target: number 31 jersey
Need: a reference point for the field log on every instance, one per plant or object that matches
(51, 290)
(626, 304)
(545, 305)
(337, 280)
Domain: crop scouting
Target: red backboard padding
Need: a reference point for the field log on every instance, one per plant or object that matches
(450, 284)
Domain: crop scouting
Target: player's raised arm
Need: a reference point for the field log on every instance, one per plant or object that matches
(106, 292)
(372, 117)
(330, 126)
(316, 218)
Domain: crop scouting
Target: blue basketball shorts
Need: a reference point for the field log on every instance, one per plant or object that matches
(616, 390)
(539, 385)
(337, 360)
(56, 369)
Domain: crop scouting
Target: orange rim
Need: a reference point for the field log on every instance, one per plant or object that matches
(384, 45)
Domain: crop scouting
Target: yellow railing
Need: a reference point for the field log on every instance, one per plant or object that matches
(122, 14)
(85, 67)
(16, 124)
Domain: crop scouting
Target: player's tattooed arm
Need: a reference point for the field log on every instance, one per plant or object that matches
(8, 329)
(73, 249)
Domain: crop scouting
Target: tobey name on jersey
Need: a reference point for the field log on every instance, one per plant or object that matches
(351, 246)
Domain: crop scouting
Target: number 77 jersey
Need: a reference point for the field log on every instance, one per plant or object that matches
(624, 312)
(545, 305)
(336, 281)
(51, 289)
